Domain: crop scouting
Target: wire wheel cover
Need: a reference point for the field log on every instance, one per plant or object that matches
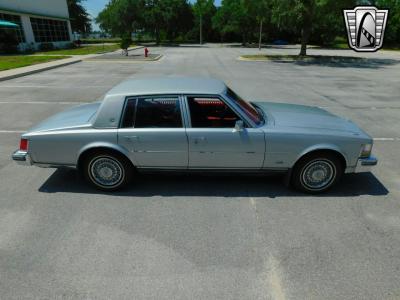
(318, 174)
(106, 171)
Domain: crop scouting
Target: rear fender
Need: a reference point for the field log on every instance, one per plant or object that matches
(106, 145)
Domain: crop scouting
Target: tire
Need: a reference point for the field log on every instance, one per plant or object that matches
(107, 171)
(317, 173)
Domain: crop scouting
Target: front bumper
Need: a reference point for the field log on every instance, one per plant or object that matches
(365, 164)
(22, 158)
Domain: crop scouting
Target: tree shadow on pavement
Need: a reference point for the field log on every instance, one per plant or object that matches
(271, 186)
(340, 62)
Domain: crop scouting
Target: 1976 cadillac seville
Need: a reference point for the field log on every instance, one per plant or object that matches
(187, 124)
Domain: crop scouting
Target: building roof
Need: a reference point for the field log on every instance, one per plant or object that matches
(57, 9)
(169, 85)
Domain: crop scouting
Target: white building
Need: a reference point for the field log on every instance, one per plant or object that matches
(40, 21)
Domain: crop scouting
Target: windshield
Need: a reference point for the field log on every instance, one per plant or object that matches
(247, 107)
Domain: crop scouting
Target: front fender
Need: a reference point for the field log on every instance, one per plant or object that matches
(324, 146)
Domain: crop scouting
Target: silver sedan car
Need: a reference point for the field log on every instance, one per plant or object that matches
(196, 124)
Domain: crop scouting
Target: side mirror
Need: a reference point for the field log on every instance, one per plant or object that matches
(239, 125)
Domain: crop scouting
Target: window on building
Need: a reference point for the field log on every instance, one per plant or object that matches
(48, 30)
(19, 31)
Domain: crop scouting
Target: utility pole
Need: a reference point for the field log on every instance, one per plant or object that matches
(201, 28)
(260, 38)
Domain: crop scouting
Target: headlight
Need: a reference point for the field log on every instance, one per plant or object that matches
(366, 150)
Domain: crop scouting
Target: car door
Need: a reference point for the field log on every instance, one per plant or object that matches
(213, 141)
(153, 131)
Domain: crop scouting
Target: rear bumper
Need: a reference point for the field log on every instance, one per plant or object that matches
(22, 158)
(365, 164)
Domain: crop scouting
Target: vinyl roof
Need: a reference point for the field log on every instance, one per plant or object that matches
(168, 85)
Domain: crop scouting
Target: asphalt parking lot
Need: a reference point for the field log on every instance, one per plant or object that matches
(204, 237)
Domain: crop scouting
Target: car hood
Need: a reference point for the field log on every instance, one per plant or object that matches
(75, 117)
(301, 116)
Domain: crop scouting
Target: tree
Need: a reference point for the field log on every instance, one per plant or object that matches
(204, 10)
(233, 17)
(262, 12)
(392, 32)
(170, 17)
(321, 18)
(80, 19)
(296, 14)
(121, 17)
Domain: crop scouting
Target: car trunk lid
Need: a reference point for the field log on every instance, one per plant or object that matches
(79, 116)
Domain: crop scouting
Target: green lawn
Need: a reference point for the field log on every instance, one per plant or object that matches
(340, 46)
(18, 61)
(83, 50)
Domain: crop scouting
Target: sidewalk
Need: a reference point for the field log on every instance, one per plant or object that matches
(19, 72)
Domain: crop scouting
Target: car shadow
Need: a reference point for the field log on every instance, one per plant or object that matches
(271, 186)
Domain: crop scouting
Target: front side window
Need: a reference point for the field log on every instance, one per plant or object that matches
(247, 107)
(211, 112)
(153, 112)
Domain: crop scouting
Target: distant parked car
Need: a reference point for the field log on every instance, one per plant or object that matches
(188, 124)
(280, 42)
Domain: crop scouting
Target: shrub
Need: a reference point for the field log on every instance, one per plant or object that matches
(125, 43)
(8, 43)
(29, 49)
(101, 41)
(46, 46)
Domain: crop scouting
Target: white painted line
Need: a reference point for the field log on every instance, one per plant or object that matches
(275, 280)
(52, 86)
(12, 131)
(386, 139)
(42, 102)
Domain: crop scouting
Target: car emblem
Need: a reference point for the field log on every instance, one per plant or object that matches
(365, 27)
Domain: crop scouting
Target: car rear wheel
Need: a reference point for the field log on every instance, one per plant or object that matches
(107, 171)
(317, 173)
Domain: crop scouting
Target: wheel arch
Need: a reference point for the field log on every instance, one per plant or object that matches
(325, 148)
(97, 147)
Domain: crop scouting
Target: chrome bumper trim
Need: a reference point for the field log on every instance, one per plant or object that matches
(22, 158)
(365, 164)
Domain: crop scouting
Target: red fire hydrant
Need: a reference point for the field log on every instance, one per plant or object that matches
(146, 52)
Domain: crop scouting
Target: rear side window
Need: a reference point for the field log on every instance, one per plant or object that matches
(129, 114)
(153, 112)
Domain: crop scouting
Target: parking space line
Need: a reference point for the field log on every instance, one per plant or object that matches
(275, 281)
(12, 131)
(386, 139)
(49, 86)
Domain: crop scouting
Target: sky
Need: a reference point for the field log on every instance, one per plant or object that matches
(95, 6)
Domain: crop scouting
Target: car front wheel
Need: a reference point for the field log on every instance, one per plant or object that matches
(107, 171)
(317, 173)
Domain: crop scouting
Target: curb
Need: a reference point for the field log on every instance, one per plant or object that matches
(157, 58)
(241, 58)
(4, 78)
(30, 72)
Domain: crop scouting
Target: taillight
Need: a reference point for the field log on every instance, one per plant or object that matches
(23, 145)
